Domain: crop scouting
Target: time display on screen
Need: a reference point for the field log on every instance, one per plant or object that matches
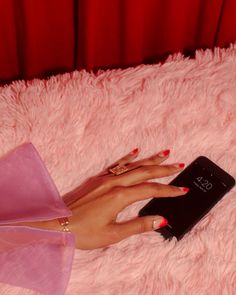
(204, 184)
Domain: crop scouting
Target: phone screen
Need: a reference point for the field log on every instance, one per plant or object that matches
(184, 211)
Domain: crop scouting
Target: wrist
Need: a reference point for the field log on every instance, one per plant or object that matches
(51, 224)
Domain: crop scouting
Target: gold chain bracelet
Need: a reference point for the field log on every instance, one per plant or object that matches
(64, 222)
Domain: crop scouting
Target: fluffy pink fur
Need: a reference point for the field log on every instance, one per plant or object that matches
(81, 122)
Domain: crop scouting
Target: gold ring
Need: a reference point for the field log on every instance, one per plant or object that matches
(117, 170)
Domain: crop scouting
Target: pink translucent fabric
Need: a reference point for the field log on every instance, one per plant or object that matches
(32, 258)
(26, 188)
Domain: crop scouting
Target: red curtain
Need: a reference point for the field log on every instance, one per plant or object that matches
(43, 37)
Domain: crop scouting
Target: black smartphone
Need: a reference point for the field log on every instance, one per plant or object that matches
(207, 182)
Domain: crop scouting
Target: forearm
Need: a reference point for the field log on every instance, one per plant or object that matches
(48, 224)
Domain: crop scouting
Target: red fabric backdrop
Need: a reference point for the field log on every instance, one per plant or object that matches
(43, 37)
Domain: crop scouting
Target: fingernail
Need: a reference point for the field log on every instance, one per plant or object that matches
(184, 189)
(179, 165)
(135, 151)
(164, 153)
(159, 222)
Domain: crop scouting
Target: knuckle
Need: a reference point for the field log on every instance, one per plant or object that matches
(152, 186)
(166, 190)
(109, 182)
(146, 171)
(143, 225)
(170, 168)
(127, 158)
(155, 159)
(118, 192)
(175, 189)
(105, 183)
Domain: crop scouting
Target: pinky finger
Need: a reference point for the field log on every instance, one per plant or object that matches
(128, 158)
(122, 161)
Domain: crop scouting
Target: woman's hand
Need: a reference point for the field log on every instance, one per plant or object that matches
(96, 204)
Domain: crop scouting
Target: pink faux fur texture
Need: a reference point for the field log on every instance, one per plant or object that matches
(81, 122)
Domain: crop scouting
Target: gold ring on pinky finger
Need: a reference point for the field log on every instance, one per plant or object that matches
(117, 170)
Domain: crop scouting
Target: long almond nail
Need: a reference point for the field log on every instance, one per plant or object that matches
(164, 153)
(184, 189)
(134, 152)
(179, 165)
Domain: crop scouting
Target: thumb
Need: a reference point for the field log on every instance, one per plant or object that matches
(140, 225)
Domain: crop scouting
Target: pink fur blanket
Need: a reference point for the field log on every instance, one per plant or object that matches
(81, 122)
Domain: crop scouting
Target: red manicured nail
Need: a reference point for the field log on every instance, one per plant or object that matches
(163, 223)
(184, 189)
(179, 165)
(164, 153)
(135, 151)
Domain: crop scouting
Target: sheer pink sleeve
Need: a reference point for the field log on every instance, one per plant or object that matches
(32, 258)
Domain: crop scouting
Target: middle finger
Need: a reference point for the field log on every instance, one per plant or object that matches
(130, 178)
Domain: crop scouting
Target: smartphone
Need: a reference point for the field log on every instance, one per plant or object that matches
(207, 182)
